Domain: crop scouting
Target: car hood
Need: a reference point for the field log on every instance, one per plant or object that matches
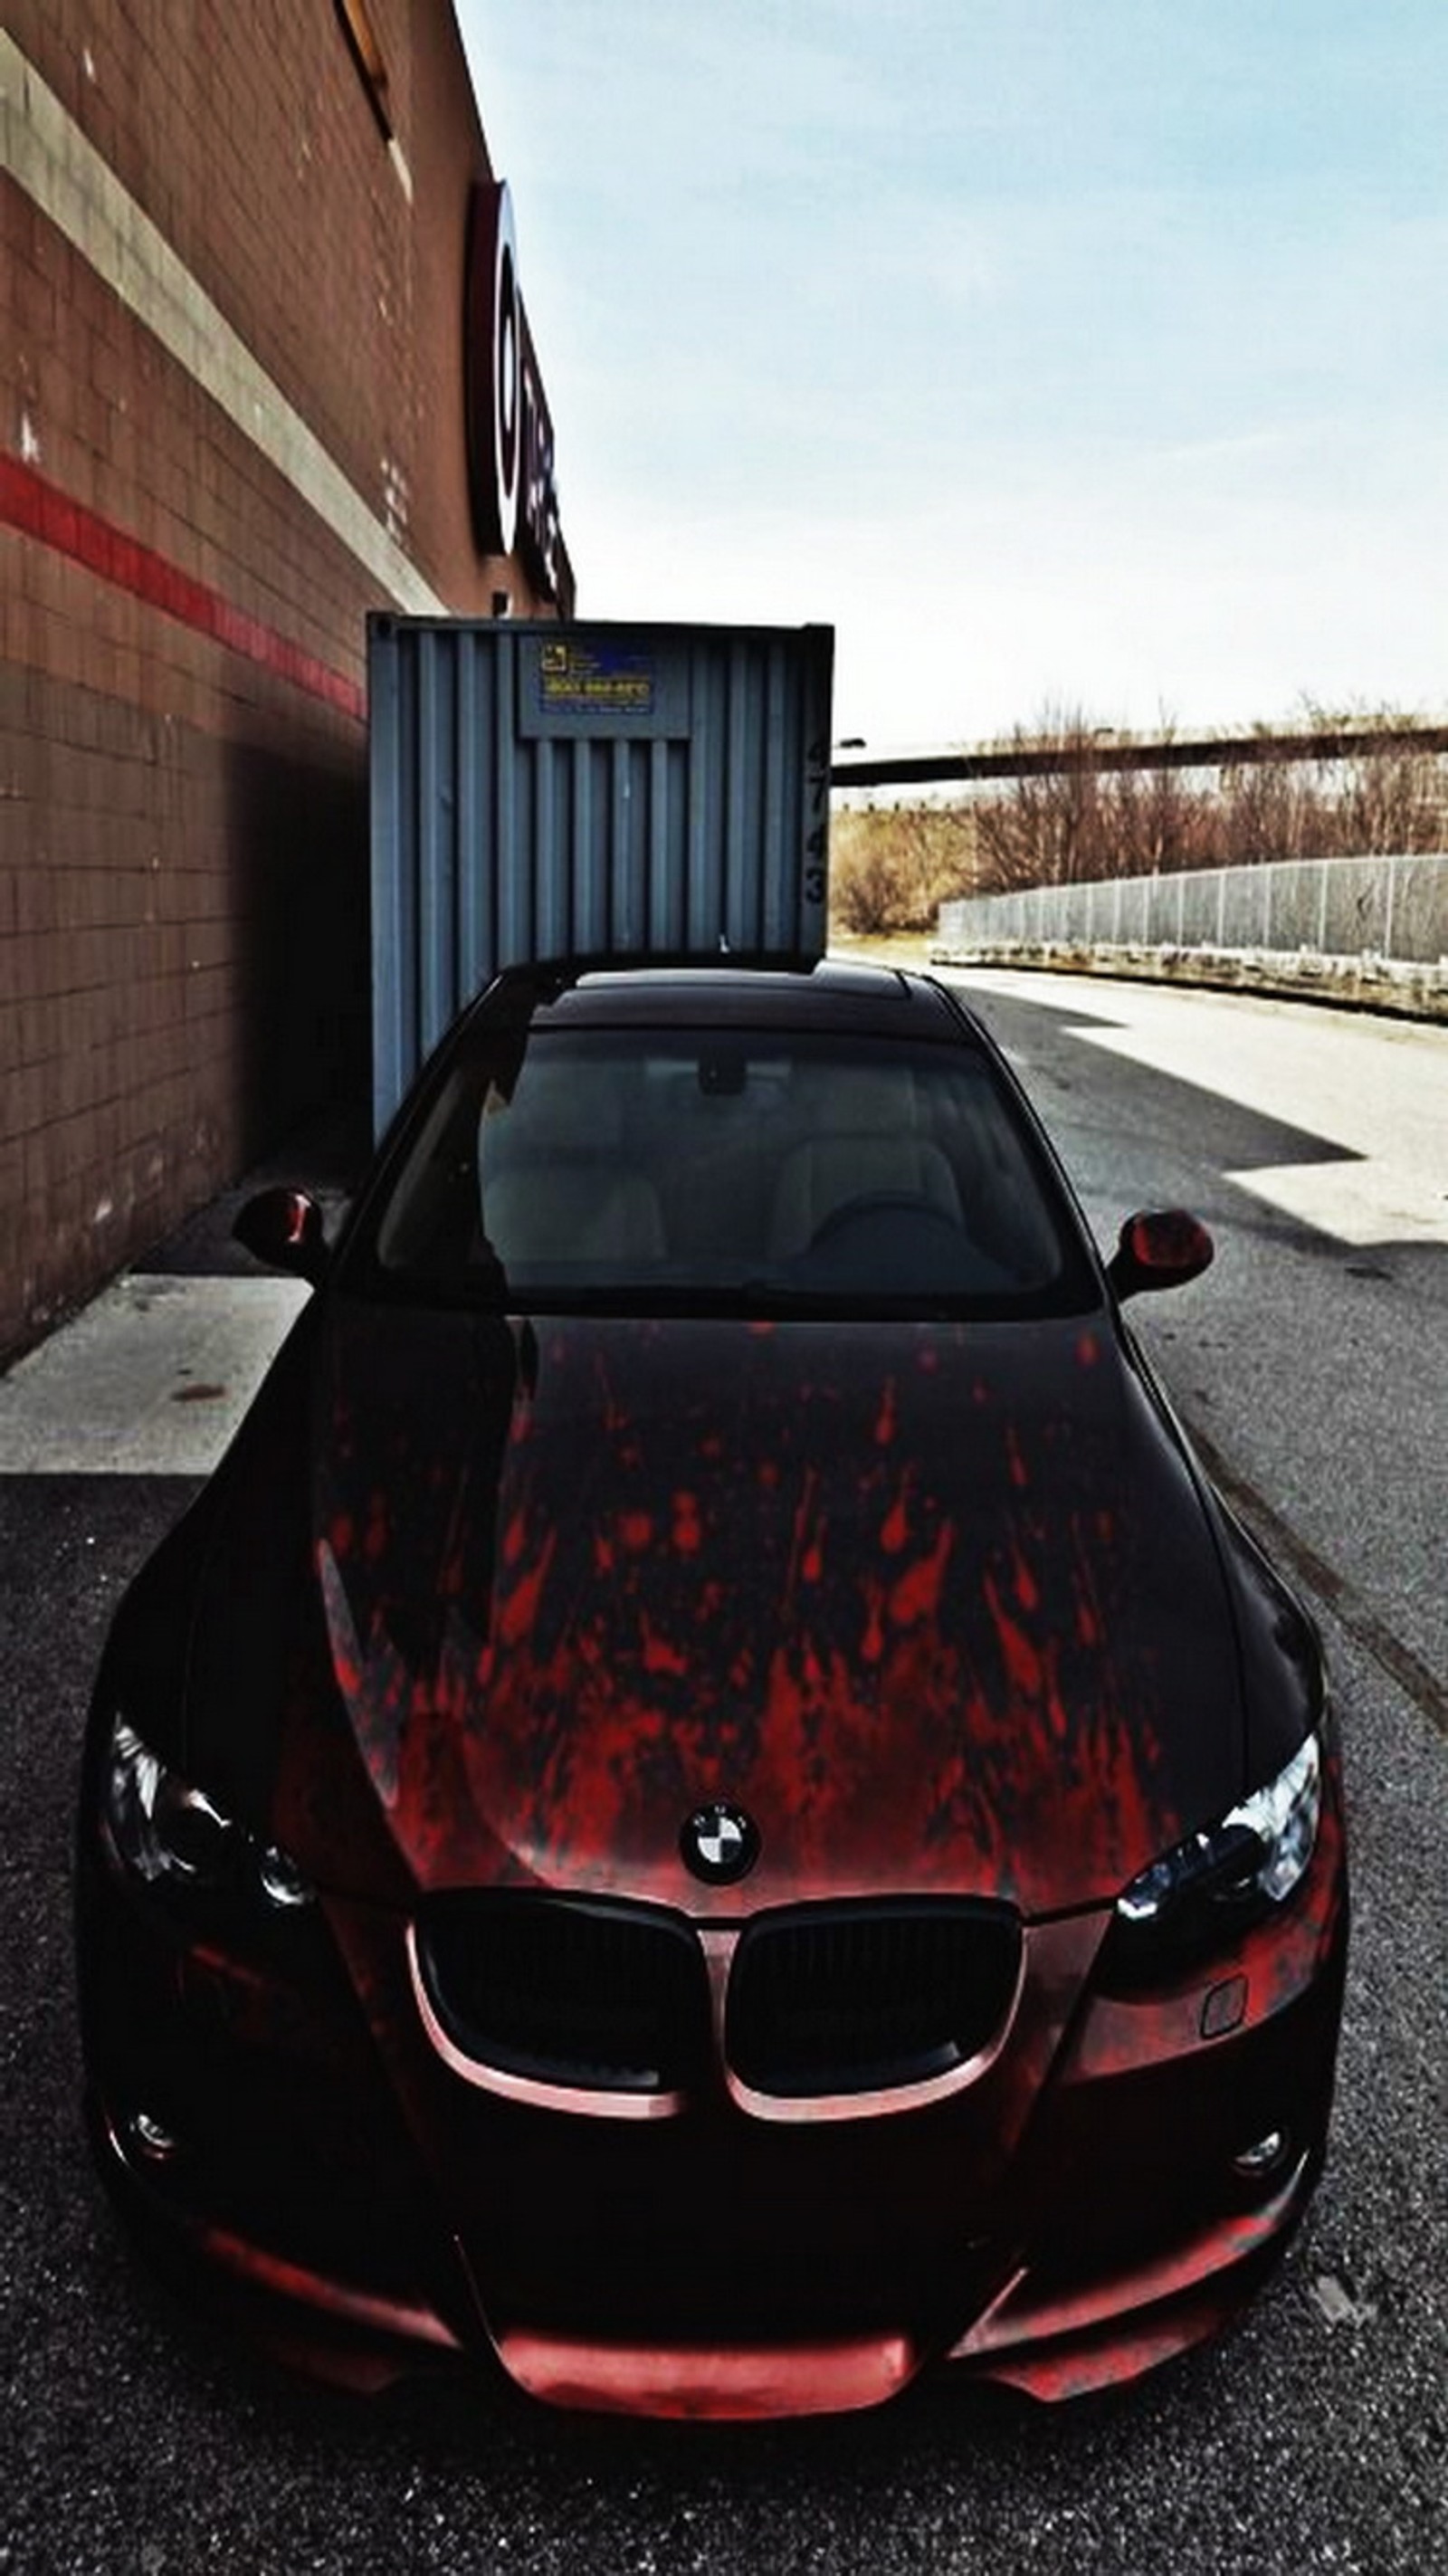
(938, 1605)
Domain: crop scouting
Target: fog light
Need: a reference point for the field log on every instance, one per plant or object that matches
(282, 1883)
(156, 2142)
(1263, 2157)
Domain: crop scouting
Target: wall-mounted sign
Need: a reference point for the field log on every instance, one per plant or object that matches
(492, 370)
(510, 432)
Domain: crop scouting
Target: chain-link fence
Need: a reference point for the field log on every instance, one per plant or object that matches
(1354, 924)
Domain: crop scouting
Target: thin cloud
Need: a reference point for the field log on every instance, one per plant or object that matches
(1048, 353)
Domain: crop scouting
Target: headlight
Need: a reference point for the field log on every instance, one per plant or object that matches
(1208, 1888)
(177, 1839)
(1284, 1817)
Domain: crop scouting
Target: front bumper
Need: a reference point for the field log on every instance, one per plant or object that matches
(286, 2143)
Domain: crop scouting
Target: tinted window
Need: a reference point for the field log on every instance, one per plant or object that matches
(679, 1169)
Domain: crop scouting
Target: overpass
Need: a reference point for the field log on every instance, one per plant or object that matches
(858, 766)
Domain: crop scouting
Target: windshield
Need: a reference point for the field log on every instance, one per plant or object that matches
(683, 1170)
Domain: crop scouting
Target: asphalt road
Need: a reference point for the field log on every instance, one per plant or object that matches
(1316, 2436)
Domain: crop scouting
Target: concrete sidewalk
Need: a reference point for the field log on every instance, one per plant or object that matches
(153, 1376)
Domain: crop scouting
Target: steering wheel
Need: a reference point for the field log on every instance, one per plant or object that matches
(874, 1203)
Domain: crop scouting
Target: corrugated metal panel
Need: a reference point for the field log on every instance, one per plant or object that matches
(586, 791)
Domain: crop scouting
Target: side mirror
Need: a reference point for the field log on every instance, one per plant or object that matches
(283, 1228)
(1159, 1249)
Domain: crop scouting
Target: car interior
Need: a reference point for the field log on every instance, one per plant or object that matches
(781, 1158)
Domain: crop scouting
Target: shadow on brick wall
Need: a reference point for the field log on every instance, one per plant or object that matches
(297, 837)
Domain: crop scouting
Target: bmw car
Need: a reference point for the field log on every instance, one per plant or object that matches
(709, 1807)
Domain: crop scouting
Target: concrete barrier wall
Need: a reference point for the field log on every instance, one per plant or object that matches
(1373, 931)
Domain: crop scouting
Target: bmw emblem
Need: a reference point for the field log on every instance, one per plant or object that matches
(720, 1843)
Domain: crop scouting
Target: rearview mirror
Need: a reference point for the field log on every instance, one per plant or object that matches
(1160, 1248)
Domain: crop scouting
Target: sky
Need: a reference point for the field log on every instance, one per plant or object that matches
(1067, 356)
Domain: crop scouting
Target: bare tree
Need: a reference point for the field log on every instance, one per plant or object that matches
(1046, 829)
(1087, 819)
(892, 867)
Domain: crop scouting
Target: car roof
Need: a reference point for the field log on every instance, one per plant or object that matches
(863, 999)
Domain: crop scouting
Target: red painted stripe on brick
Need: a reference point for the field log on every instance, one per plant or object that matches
(42, 510)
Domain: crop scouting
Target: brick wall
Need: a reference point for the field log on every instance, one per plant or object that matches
(230, 423)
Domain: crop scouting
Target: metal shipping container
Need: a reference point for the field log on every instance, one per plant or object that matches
(542, 790)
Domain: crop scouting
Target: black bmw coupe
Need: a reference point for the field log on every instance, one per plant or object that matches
(708, 1805)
